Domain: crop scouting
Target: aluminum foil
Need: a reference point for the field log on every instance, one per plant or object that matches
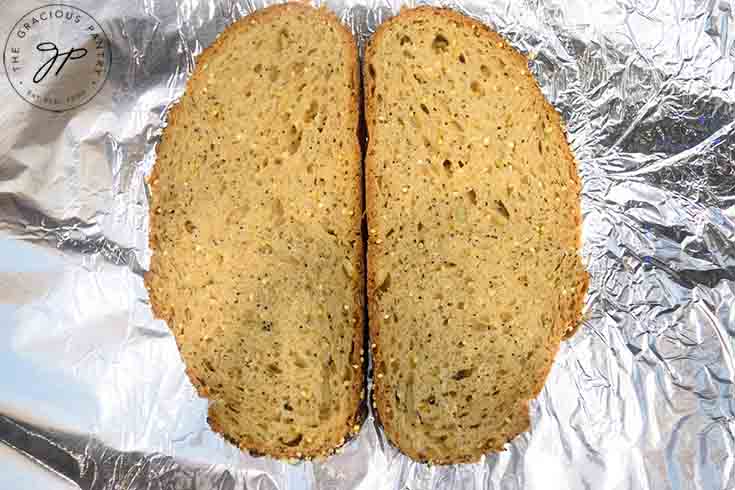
(93, 392)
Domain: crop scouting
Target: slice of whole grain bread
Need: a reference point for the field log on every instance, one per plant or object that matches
(255, 229)
(472, 197)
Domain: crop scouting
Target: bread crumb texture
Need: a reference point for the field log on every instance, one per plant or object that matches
(255, 227)
(474, 276)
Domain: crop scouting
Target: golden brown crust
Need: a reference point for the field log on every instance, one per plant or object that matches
(519, 420)
(160, 310)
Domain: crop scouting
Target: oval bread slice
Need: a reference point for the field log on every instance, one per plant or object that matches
(255, 228)
(472, 194)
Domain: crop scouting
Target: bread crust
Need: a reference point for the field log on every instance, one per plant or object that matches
(354, 418)
(519, 420)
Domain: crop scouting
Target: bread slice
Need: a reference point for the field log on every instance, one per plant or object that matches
(472, 197)
(255, 228)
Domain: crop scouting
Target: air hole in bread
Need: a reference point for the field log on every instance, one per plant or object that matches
(282, 39)
(472, 196)
(311, 112)
(476, 88)
(296, 135)
(440, 43)
(425, 109)
(447, 167)
(500, 208)
(299, 362)
(384, 284)
(293, 442)
(405, 40)
(278, 211)
(462, 59)
(485, 71)
(274, 369)
(462, 374)
(298, 69)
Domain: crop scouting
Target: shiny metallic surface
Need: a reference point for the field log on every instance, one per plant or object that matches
(93, 392)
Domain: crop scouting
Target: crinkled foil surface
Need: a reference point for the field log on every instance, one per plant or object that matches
(93, 391)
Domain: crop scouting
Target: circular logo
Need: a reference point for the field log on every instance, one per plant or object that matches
(57, 57)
